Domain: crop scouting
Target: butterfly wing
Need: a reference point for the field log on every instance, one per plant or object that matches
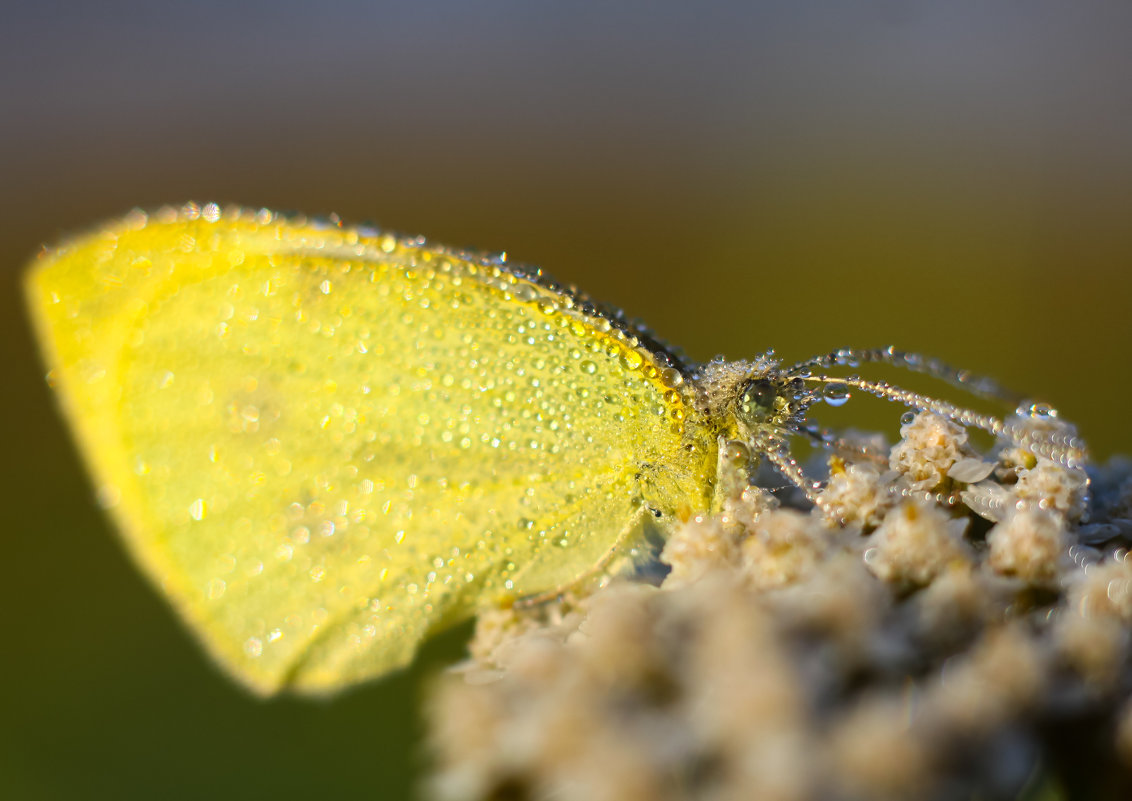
(325, 443)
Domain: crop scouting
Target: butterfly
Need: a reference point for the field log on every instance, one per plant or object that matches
(324, 443)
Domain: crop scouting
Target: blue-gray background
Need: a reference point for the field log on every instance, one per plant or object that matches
(950, 177)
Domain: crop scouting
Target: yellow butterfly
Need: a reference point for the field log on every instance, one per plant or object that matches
(324, 443)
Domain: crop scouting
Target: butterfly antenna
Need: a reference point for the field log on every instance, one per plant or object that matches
(980, 386)
(1054, 443)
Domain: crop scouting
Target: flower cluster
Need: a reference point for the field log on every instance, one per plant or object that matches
(939, 627)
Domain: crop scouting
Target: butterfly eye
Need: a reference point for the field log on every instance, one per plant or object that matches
(759, 400)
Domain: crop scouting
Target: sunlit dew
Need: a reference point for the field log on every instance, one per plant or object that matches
(324, 443)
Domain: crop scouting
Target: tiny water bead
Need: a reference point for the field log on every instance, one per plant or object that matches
(836, 394)
(325, 443)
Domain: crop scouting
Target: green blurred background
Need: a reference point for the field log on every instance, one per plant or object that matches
(950, 177)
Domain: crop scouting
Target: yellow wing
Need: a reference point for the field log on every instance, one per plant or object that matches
(325, 443)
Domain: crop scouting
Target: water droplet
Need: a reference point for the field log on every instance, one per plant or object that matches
(1037, 409)
(737, 451)
(835, 394)
(631, 360)
(671, 377)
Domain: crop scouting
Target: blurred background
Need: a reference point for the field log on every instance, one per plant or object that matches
(953, 178)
